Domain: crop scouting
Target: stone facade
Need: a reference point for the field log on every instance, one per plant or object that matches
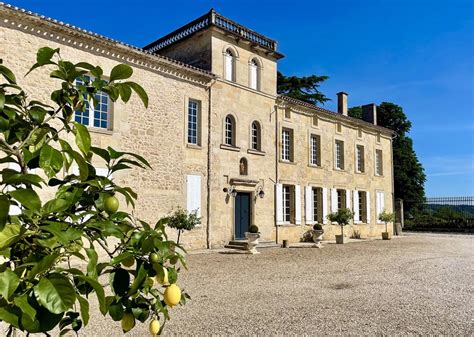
(171, 78)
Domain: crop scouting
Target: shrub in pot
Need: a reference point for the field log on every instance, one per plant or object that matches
(386, 217)
(342, 217)
(318, 234)
(252, 239)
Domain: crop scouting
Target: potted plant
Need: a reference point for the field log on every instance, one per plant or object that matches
(182, 220)
(318, 234)
(252, 239)
(386, 217)
(343, 216)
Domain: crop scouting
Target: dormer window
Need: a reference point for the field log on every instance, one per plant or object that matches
(254, 75)
(229, 68)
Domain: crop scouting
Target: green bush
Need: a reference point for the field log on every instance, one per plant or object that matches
(253, 229)
(181, 220)
(386, 217)
(317, 227)
(343, 217)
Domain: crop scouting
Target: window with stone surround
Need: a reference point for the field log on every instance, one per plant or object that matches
(378, 163)
(256, 137)
(254, 74)
(360, 160)
(229, 132)
(194, 122)
(339, 154)
(341, 199)
(288, 203)
(317, 204)
(315, 150)
(95, 114)
(229, 68)
(287, 145)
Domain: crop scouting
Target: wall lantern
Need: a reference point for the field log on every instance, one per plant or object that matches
(259, 192)
(230, 191)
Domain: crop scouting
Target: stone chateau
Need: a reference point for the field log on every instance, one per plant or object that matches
(219, 138)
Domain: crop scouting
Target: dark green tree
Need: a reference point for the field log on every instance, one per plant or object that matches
(305, 88)
(409, 174)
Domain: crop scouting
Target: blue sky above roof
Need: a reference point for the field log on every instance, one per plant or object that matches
(415, 53)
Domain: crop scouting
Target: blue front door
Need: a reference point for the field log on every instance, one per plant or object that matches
(242, 214)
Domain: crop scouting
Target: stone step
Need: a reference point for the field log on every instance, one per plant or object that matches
(242, 244)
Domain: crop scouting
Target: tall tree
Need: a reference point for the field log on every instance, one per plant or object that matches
(409, 174)
(305, 88)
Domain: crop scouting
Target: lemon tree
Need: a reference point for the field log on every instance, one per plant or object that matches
(39, 143)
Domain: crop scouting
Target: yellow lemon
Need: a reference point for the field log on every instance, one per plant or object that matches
(161, 275)
(154, 327)
(172, 295)
(128, 322)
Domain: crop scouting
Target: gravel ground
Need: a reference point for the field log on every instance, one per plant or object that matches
(416, 284)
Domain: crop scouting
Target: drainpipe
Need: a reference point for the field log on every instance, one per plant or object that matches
(276, 174)
(395, 229)
(209, 120)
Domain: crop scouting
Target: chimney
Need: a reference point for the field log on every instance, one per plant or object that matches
(342, 103)
(369, 113)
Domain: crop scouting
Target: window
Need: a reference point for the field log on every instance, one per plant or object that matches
(193, 122)
(339, 154)
(317, 204)
(315, 150)
(378, 163)
(341, 199)
(229, 132)
(256, 137)
(229, 70)
(360, 204)
(360, 164)
(97, 116)
(287, 145)
(254, 78)
(287, 203)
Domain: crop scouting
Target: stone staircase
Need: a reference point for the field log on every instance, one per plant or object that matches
(242, 244)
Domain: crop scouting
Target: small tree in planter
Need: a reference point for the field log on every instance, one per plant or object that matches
(343, 217)
(386, 217)
(182, 221)
(252, 239)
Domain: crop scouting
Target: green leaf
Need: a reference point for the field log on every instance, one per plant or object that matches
(120, 281)
(22, 303)
(9, 281)
(120, 258)
(82, 164)
(120, 72)
(2, 99)
(84, 309)
(8, 74)
(20, 178)
(55, 206)
(137, 282)
(139, 91)
(116, 311)
(101, 153)
(44, 55)
(8, 317)
(99, 291)
(44, 264)
(28, 198)
(92, 265)
(83, 138)
(64, 233)
(55, 293)
(51, 160)
(125, 91)
(10, 234)
(4, 209)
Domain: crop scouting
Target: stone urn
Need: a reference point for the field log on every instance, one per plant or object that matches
(386, 236)
(252, 242)
(318, 237)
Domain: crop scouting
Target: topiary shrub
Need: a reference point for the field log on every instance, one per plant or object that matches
(343, 216)
(386, 217)
(317, 227)
(181, 220)
(253, 229)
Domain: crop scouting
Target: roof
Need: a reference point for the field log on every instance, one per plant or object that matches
(214, 19)
(333, 114)
(110, 43)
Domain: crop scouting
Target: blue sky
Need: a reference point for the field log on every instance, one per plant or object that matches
(416, 53)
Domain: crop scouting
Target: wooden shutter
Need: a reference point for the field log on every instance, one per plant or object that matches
(279, 203)
(356, 206)
(333, 200)
(367, 205)
(298, 204)
(193, 194)
(325, 204)
(309, 215)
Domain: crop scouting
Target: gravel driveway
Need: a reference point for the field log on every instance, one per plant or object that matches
(415, 284)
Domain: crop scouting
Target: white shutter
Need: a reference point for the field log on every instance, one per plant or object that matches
(253, 76)
(193, 194)
(298, 204)
(380, 204)
(367, 204)
(325, 204)
(348, 199)
(228, 67)
(333, 200)
(279, 203)
(309, 216)
(356, 207)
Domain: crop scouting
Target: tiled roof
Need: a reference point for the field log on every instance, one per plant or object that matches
(17, 10)
(334, 114)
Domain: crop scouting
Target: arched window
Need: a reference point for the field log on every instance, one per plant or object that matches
(229, 69)
(243, 167)
(256, 136)
(254, 76)
(229, 132)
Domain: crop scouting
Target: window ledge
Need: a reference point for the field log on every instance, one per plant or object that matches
(315, 166)
(288, 224)
(193, 146)
(357, 172)
(287, 162)
(256, 152)
(99, 130)
(339, 169)
(379, 175)
(230, 148)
